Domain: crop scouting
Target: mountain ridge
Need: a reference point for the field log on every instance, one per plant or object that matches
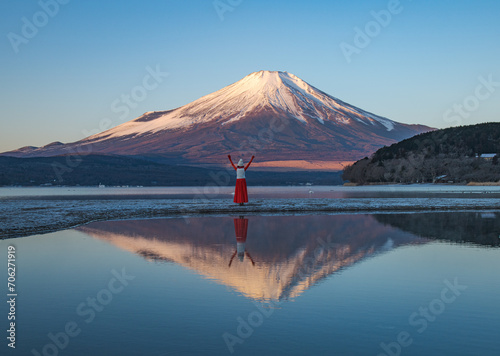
(272, 114)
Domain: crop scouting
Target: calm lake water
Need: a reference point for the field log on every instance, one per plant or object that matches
(334, 191)
(349, 284)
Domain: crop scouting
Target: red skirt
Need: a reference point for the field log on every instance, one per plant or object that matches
(240, 192)
(240, 229)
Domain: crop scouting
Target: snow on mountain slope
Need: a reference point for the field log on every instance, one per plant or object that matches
(315, 129)
(279, 91)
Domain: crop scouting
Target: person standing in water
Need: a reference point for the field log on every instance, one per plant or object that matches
(240, 192)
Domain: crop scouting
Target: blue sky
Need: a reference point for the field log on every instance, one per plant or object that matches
(429, 62)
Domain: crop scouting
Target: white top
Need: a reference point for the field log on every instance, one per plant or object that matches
(240, 173)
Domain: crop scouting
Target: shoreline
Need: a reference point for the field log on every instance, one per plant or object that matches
(23, 217)
(470, 184)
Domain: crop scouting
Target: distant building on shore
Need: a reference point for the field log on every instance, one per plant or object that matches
(487, 156)
(441, 179)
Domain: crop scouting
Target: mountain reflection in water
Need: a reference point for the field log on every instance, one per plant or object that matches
(261, 257)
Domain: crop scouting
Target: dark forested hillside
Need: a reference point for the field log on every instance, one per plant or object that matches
(117, 170)
(454, 153)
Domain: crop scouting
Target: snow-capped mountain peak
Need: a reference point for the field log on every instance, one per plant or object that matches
(314, 126)
(281, 92)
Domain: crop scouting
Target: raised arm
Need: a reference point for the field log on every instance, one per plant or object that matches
(230, 160)
(232, 258)
(249, 163)
(250, 258)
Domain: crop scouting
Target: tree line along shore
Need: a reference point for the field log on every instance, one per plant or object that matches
(464, 154)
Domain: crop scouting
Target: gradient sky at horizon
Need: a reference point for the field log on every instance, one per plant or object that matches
(62, 83)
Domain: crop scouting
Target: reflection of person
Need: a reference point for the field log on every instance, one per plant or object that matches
(240, 230)
(240, 192)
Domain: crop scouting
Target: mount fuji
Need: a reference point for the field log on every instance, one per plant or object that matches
(275, 115)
